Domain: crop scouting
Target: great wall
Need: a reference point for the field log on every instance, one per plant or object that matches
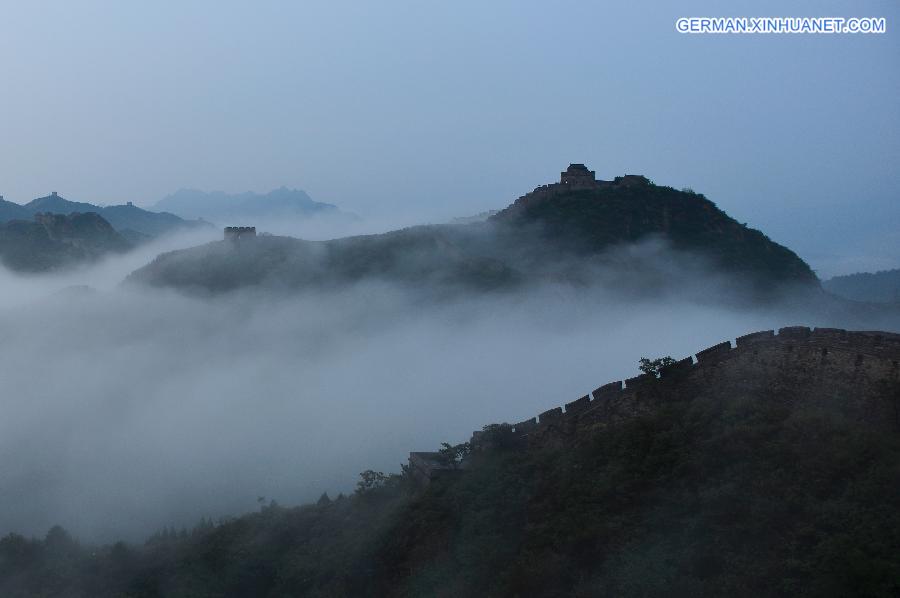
(577, 178)
(238, 233)
(857, 371)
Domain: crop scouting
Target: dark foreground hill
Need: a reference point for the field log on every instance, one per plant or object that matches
(877, 287)
(133, 222)
(767, 469)
(53, 241)
(558, 232)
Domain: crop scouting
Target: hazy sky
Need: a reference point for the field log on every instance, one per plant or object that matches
(432, 110)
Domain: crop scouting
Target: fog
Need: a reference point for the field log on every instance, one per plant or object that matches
(321, 227)
(127, 409)
(106, 274)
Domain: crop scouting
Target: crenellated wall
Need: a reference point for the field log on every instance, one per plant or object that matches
(237, 233)
(856, 370)
(556, 189)
(826, 362)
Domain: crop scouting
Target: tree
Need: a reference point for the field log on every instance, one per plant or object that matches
(655, 366)
(453, 455)
(370, 480)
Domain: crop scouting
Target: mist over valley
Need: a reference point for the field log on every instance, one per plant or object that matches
(272, 366)
(449, 300)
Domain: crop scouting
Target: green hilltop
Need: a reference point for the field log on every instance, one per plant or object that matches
(557, 232)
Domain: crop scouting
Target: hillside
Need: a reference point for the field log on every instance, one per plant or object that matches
(53, 241)
(12, 211)
(628, 209)
(56, 204)
(134, 222)
(237, 208)
(566, 233)
(878, 287)
(765, 469)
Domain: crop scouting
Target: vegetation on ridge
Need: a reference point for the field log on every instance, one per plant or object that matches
(704, 497)
(570, 236)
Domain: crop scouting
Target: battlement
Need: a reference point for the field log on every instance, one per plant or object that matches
(855, 357)
(238, 233)
(577, 177)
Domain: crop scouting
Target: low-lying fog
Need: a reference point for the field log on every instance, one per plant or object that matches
(126, 409)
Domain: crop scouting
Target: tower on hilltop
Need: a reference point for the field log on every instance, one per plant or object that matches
(237, 233)
(577, 176)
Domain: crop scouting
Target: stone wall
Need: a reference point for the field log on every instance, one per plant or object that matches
(237, 233)
(568, 184)
(857, 371)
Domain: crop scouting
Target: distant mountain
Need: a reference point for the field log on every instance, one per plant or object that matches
(129, 217)
(559, 232)
(878, 287)
(55, 204)
(12, 211)
(249, 207)
(53, 241)
(480, 217)
(135, 223)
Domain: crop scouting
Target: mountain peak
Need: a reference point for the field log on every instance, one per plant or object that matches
(586, 215)
(60, 205)
(222, 207)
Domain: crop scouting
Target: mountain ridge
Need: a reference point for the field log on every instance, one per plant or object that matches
(880, 287)
(124, 217)
(558, 232)
(53, 241)
(223, 207)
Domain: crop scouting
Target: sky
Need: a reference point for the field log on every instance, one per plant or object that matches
(422, 111)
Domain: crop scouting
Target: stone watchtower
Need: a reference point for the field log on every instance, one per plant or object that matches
(238, 233)
(577, 176)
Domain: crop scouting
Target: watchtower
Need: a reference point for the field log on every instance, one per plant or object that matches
(238, 233)
(577, 176)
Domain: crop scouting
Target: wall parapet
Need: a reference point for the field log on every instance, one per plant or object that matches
(238, 233)
(754, 338)
(425, 466)
(607, 391)
(714, 353)
(676, 369)
(882, 344)
(793, 332)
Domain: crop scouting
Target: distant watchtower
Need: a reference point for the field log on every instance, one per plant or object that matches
(577, 176)
(237, 233)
